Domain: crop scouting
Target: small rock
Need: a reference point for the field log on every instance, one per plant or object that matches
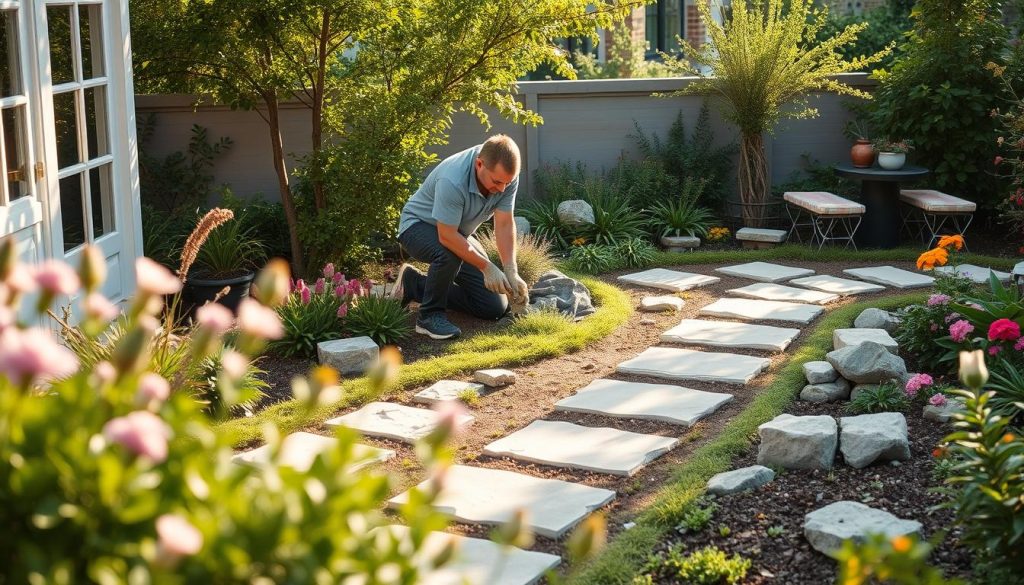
(495, 377)
(798, 442)
(831, 392)
(868, 438)
(588, 367)
(661, 303)
(522, 224)
(827, 528)
(647, 321)
(739, 480)
(353, 355)
(820, 373)
(575, 212)
(629, 525)
(877, 319)
(945, 412)
(867, 363)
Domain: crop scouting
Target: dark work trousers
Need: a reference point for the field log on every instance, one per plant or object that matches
(450, 283)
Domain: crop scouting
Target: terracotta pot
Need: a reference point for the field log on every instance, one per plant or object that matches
(862, 154)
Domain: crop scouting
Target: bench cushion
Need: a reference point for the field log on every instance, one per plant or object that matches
(823, 203)
(936, 201)
(750, 234)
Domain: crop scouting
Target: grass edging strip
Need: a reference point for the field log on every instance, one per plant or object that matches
(621, 561)
(552, 337)
(809, 254)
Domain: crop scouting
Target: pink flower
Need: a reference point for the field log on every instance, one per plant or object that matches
(355, 287)
(305, 296)
(153, 387)
(57, 278)
(937, 399)
(300, 285)
(22, 279)
(99, 307)
(450, 415)
(215, 318)
(959, 330)
(1019, 346)
(915, 383)
(318, 288)
(257, 320)
(338, 278)
(934, 327)
(329, 270)
(994, 350)
(1003, 329)
(105, 372)
(140, 432)
(32, 354)
(951, 317)
(938, 299)
(342, 310)
(154, 279)
(997, 161)
(340, 290)
(176, 537)
(234, 364)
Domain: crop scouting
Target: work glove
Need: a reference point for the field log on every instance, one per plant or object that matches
(495, 280)
(520, 292)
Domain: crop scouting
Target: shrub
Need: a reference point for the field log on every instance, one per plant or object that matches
(561, 181)
(382, 319)
(887, 397)
(680, 217)
(592, 259)
(229, 250)
(163, 234)
(107, 475)
(697, 516)
(614, 219)
(264, 220)
(545, 223)
(643, 183)
(887, 25)
(312, 315)
(635, 253)
(533, 254)
(706, 566)
(180, 181)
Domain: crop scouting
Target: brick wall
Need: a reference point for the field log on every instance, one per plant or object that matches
(695, 33)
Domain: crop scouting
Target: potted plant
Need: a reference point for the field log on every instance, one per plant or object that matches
(892, 154)
(228, 258)
(862, 155)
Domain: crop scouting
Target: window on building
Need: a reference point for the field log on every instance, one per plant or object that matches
(664, 23)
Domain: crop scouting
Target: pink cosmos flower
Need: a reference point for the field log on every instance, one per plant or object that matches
(329, 270)
(938, 299)
(57, 278)
(176, 537)
(32, 354)
(153, 387)
(155, 279)
(140, 432)
(215, 318)
(916, 382)
(234, 364)
(305, 296)
(994, 350)
(937, 399)
(342, 310)
(99, 307)
(960, 330)
(260, 321)
(1004, 330)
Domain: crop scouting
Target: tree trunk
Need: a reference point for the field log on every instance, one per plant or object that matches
(319, 91)
(280, 167)
(753, 179)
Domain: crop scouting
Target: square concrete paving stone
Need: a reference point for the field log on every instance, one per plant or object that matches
(562, 444)
(836, 285)
(730, 334)
(687, 364)
(476, 495)
(393, 421)
(669, 279)
(476, 562)
(661, 402)
(751, 310)
(445, 390)
(764, 271)
(299, 450)
(891, 276)
(978, 274)
(777, 292)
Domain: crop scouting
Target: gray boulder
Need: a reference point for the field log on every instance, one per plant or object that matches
(798, 442)
(829, 392)
(575, 212)
(868, 438)
(522, 224)
(349, 356)
(740, 480)
(845, 337)
(867, 363)
(827, 528)
(860, 388)
(555, 291)
(877, 319)
(945, 412)
(820, 372)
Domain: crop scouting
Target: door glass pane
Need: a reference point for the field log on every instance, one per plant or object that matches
(89, 19)
(673, 23)
(15, 166)
(96, 121)
(102, 201)
(59, 26)
(72, 212)
(67, 129)
(10, 70)
(651, 27)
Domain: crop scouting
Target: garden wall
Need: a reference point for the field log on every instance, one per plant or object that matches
(587, 120)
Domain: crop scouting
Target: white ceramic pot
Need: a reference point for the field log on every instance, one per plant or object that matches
(892, 161)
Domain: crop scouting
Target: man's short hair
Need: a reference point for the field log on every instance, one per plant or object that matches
(501, 149)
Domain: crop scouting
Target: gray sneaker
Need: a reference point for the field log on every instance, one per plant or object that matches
(437, 326)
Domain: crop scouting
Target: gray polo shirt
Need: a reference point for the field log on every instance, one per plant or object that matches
(450, 195)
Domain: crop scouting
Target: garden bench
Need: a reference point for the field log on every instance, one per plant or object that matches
(830, 217)
(929, 211)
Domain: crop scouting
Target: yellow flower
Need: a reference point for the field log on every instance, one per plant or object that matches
(957, 241)
(579, 241)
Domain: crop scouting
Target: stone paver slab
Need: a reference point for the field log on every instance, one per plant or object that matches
(393, 421)
(352, 355)
(687, 364)
(300, 450)
(777, 292)
(476, 495)
(563, 444)
(844, 337)
(749, 309)
(730, 334)
(765, 271)
(836, 285)
(891, 276)
(827, 528)
(445, 390)
(477, 561)
(672, 280)
(662, 303)
(661, 402)
(978, 274)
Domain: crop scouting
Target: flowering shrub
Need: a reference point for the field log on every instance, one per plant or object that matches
(109, 475)
(311, 315)
(717, 234)
(916, 383)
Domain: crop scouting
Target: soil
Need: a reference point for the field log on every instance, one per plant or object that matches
(784, 559)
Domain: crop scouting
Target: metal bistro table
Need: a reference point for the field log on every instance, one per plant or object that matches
(879, 192)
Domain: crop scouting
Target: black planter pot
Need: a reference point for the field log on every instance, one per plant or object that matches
(200, 290)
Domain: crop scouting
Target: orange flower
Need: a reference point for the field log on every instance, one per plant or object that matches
(956, 240)
(901, 544)
(1008, 438)
(932, 258)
